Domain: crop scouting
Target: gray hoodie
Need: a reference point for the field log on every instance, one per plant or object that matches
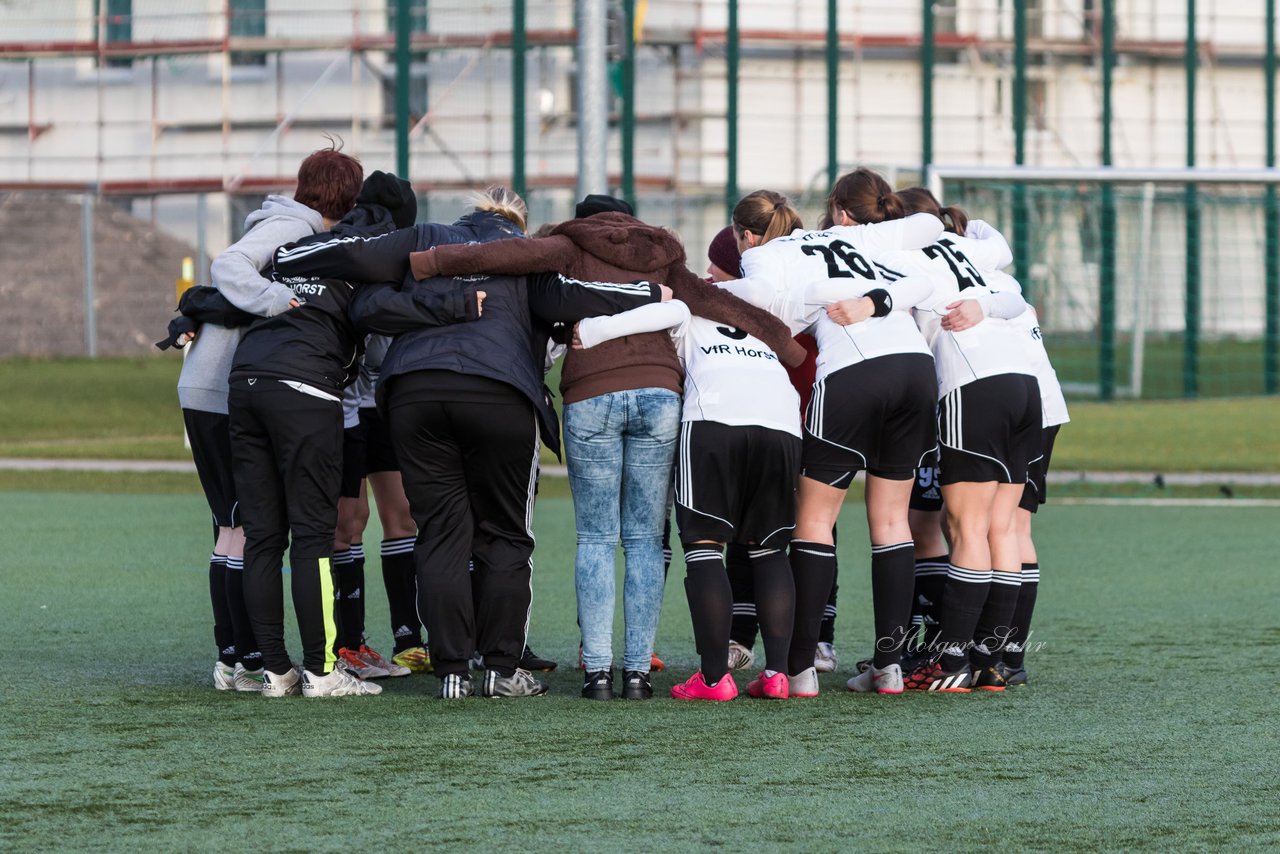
(237, 275)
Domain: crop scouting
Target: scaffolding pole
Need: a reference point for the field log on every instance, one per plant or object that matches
(731, 117)
(1021, 222)
(833, 89)
(926, 89)
(593, 105)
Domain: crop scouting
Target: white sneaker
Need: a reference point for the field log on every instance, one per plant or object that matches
(740, 657)
(886, 681)
(338, 683)
(285, 684)
(248, 680)
(804, 683)
(825, 660)
(223, 676)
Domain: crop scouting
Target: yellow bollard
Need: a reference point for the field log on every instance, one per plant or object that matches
(188, 277)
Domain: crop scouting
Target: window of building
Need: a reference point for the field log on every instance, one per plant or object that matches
(248, 19)
(116, 19)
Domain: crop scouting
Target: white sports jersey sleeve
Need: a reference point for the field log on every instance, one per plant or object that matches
(988, 349)
(1053, 405)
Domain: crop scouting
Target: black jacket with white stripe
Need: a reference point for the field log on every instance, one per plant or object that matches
(508, 343)
(316, 343)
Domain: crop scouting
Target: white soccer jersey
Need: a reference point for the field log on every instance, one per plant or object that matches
(729, 376)
(1052, 403)
(961, 268)
(795, 277)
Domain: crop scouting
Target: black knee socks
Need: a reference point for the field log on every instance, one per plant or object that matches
(962, 604)
(892, 585)
(1015, 649)
(402, 592)
(737, 562)
(710, 606)
(223, 636)
(776, 604)
(814, 568)
(993, 627)
(349, 574)
(246, 644)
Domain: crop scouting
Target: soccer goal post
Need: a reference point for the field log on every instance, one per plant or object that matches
(1150, 283)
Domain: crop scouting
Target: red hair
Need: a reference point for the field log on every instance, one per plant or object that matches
(329, 181)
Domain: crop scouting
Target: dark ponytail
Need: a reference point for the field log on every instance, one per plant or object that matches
(865, 196)
(920, 200)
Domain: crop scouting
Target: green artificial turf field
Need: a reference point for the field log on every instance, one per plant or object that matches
(1144, 728)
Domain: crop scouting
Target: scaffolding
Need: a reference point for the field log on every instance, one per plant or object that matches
(190, 116)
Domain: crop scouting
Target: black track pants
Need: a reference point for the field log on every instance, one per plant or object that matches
(469, 473)
(286, 450)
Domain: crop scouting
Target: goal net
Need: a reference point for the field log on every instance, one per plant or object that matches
(1148, 283)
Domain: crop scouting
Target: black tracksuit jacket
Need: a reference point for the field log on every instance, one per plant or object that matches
(507, 344)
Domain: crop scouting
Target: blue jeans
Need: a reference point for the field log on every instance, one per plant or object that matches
(620, 448)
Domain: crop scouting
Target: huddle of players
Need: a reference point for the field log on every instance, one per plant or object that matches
(924, 348)
(853, 285)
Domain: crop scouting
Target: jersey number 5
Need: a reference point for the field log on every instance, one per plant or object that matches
(962, 268)
(843, 261)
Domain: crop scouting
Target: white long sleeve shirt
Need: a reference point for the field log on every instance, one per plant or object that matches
(794, 278)
(967, 268)
(730, 377)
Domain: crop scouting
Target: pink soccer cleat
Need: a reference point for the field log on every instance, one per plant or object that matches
(697, 689)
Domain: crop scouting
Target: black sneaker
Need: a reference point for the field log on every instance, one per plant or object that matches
(1013, 676)
(518, 684)
(599, 685)
(636, 686)
(989, 678)
(531, 662)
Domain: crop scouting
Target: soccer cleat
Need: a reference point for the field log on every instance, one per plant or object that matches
(416, 658)
(248, 681)
(340, 682)
(636, 686)
(286, 684)
(370, 656)
(477, 662)
(696, 688)
(531, 662)
(740, 657)
(773, 687)
(886, 681)
(930, 676)
(989, 678)
(862, 664)
(804, 683)
(825, 660)
(599, 685)
(351, 660)
(655, 664)
(519, 684)
(456, 686)
(224, 676)
(1014, 677)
